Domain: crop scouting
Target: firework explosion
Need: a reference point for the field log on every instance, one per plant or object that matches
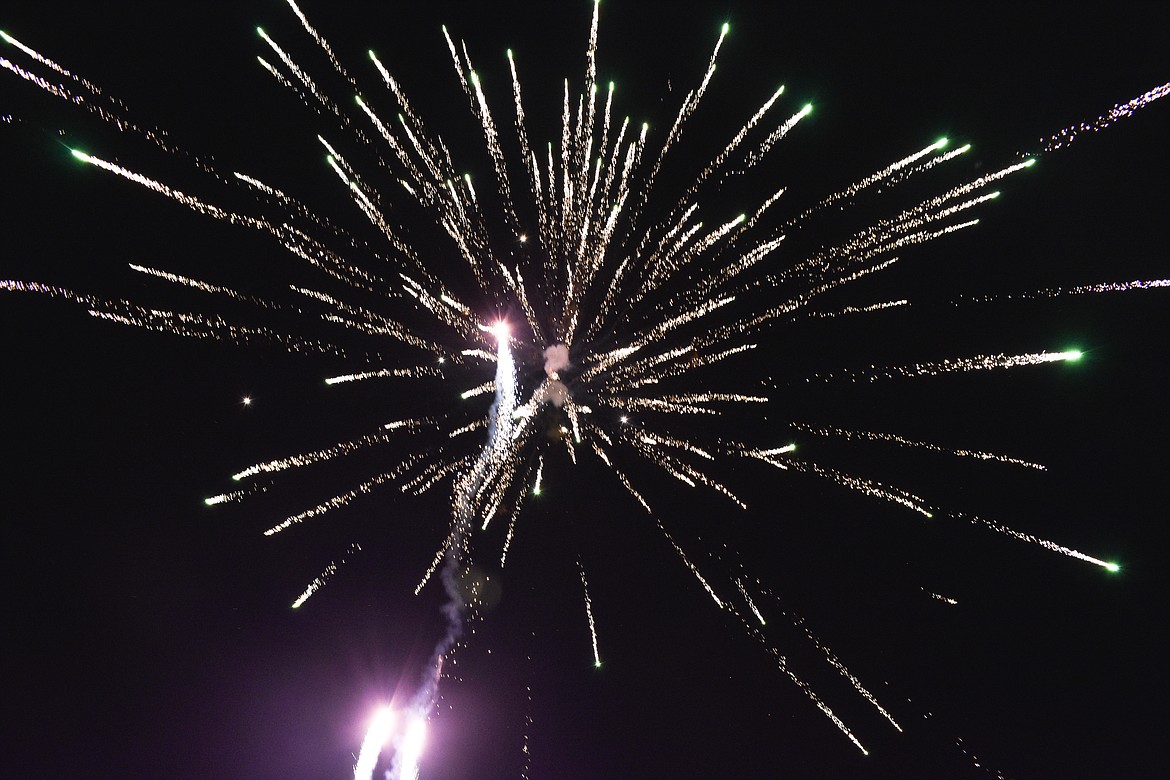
(596, 314)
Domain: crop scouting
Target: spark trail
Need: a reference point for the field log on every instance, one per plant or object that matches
(617, 311)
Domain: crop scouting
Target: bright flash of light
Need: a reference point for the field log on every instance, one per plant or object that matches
(410, 750)
(377, 735)
(499, 329)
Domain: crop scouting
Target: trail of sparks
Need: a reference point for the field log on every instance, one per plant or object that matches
(589, 615)
(998, 527)
(951, 365)
(320, 580)
(1058, 292)
(895, 439)
(384, 372)
(860, 309)
(1120, 111)
(940, 597)
(342, 448)
(867, 487)
(832, 659)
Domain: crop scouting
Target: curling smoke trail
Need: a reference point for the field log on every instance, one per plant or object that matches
(468, 503)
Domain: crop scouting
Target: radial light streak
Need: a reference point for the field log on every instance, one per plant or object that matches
(895, 439)
(949, 365)
(940, 597)
(342, 448)
(1120, 111)
(589, 615)
(1057, 292)
(383, 372)
(1109, 566)
(860, 309)
(320, 580)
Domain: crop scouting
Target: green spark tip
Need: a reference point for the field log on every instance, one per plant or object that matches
(611, 86)
(4, 35)
(1029, 162)
(236, 478)
(80, 155)
(995, 194)
(929, 516)
(260, 31)
(726, 27)
(597, 664)
(208, 501)
(942, 142)
(1113, 567)
(1074, 354)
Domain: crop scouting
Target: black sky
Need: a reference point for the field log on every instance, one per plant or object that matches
(150, 636)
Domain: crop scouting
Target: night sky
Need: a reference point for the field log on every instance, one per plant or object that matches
(147, 635)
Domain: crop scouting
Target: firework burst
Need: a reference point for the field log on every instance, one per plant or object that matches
(585, 307)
